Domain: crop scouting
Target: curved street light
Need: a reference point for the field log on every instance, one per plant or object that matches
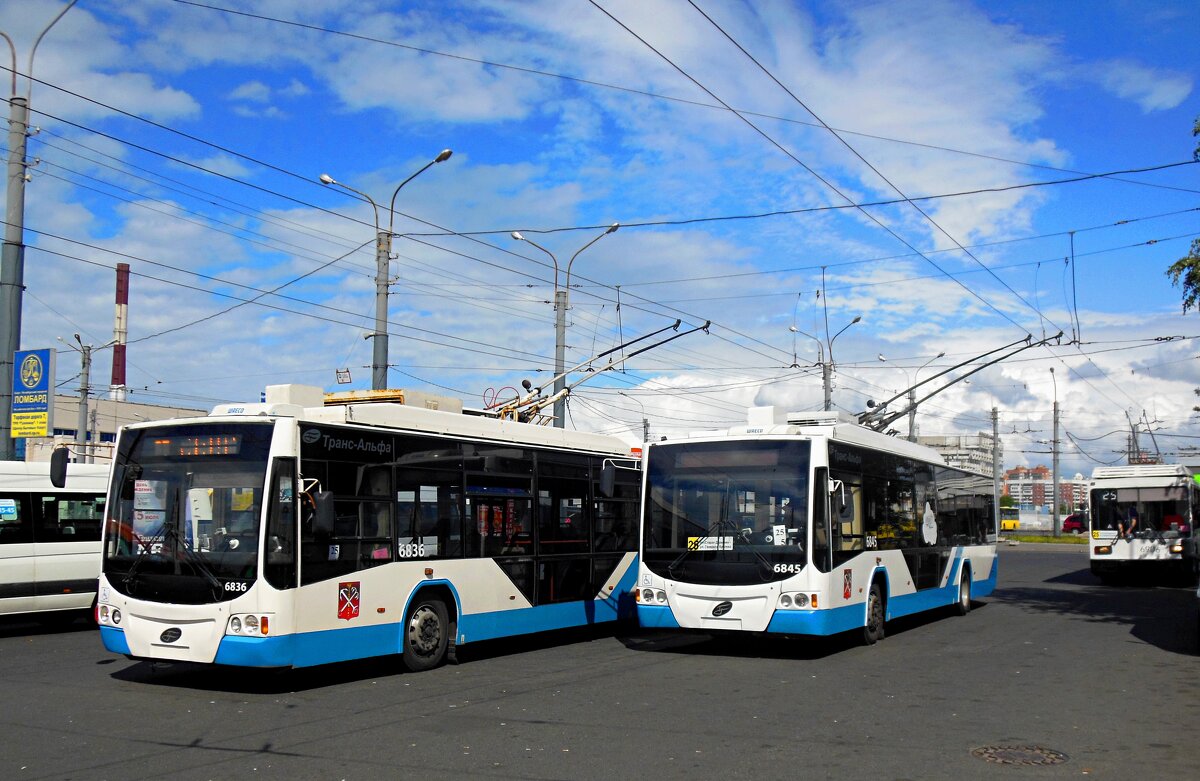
(645, 420)
(12, 258)
(383, 253)
(825, 357)
(912, 393)
(561, 298)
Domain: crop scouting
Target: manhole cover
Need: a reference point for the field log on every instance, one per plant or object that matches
(1019, 755)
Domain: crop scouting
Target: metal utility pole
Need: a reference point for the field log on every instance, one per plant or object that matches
(825, 357)
(645, 420)
(996, 466)
(561, 297)
(81, 427)
(383, 256)
(1054, 451)
(12, 260)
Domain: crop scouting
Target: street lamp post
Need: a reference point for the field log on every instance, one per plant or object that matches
(645, 420)
(561, 298)
(1054, 456)
(383, 254)
(912, 394)
(12, 260)
(82, 452)
(825, 358)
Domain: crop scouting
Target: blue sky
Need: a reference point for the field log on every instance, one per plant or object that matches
(186, 139)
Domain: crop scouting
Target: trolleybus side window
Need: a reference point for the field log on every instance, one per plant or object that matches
(564, 519)
(429, 496)
(280, 565)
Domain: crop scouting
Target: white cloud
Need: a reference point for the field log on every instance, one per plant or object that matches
(253, 91)
(1152, 89)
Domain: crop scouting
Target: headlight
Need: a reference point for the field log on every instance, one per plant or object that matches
(235, 625)
(662, 597)
(251, 624)
(785, 601)
(104, 613)
(647, 595)
(801, 600)
(116, 616)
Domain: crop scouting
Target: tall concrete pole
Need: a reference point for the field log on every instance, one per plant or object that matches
(1054, 447)
(81, 427)
(996, 467)
(1054, 457)
(12, 267)
(383, 255)
(12, 260)
(379, 352)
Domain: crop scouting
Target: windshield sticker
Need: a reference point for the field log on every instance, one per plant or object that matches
(8, 510)
(334, 552)
(778, 534)
(710, 543)
(349, 599)
(847, 583)
(149, 494)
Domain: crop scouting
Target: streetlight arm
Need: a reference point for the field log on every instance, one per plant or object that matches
(610, 229)
(29, 70)
(519, 237)
(820, 344)
(327, 179)
(442, 156)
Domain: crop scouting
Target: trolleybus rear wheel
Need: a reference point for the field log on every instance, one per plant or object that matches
(426, 634)
(963, 606)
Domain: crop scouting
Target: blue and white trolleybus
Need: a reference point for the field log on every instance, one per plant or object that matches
(310, 529)
(808, 524)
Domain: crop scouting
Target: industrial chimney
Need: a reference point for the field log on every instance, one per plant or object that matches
(116, 389)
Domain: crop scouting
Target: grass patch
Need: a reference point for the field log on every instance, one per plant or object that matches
(1069, 539)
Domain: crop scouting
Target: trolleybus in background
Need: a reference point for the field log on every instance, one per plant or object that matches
(808, 524)
(310, 529)
(1010, 519)
(49, 539)
(1142, 517)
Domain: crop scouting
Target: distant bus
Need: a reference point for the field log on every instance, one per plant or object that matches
(1010, 519)
(49, 538)
(305, 530)
(808, 524)
(1142, 517)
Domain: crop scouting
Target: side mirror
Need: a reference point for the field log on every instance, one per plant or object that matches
(58, 467)
(608, 479)
(324, 519)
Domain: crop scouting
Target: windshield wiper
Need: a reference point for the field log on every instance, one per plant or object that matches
(193, 558)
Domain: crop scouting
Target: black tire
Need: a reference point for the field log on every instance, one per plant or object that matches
(426, 634)
(963, 605)
(873, 628)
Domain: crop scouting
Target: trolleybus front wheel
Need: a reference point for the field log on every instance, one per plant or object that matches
(873, 629)
(426, 634)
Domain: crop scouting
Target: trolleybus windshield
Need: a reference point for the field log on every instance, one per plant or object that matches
(727, 512)
(184, 523)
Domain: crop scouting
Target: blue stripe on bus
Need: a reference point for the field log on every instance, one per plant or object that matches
(114, 640)
(503, 623)
(844, 619)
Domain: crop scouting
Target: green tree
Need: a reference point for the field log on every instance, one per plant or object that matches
(1007, 501)
(1185, 272)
